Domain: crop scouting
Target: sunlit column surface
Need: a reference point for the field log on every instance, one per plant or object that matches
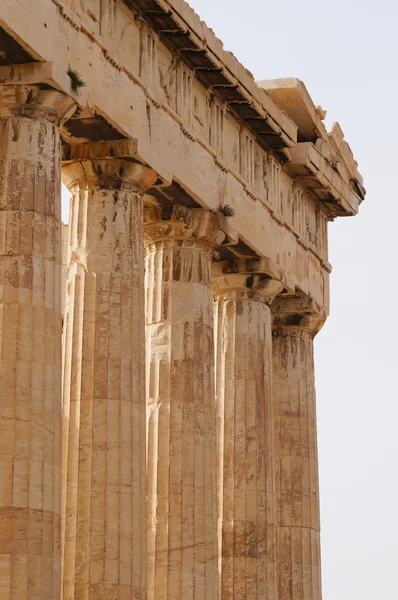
(182, 524)
(298, 519)
(30, 341)
(104, 392)
(245, 444)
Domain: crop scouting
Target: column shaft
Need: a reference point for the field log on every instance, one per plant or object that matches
(30, 342)
(246, 478)
(104, 391)
(182, 546)
(297, 465)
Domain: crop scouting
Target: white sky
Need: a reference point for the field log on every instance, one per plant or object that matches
(346, 52)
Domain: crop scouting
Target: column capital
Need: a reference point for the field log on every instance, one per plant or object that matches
(248, 279)
(182, 224)
(107, 165)
(35, 103)
(297, 316)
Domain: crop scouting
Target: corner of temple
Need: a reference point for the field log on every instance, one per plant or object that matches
(295, 315)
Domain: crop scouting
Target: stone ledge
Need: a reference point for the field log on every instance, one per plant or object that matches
(307, 162)
(181, 30)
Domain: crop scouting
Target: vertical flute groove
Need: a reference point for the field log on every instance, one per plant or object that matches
(182, 528)
(30, 342)
(104, 408)
(245, 445)
(297, 466)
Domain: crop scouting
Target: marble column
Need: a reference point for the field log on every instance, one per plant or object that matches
(104, 410)
(245, 448)
(30, 341)
(295, 322)
(182, 525)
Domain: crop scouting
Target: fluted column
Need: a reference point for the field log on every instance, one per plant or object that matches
(245, 448)
(30, 341)
(295, 322)
(182, 526)
(104, 391)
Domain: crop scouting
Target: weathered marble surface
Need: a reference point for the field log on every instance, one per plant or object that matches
(164, 118)
(104, 391)
(30, 342)
(149, 89)
(298, 518)
(245, 428)
(182, 532)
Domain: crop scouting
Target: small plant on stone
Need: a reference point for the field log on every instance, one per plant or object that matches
(226, 210)
(76, 81)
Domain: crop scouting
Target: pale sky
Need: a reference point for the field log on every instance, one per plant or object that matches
(346, 52)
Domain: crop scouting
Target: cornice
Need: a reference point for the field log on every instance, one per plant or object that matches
(182, 31)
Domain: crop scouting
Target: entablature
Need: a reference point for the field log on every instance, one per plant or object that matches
(323, 179)
(181, 30)
(155, 73)
(322, 159)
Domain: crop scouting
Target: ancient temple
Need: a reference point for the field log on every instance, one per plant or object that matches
(157, 400)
